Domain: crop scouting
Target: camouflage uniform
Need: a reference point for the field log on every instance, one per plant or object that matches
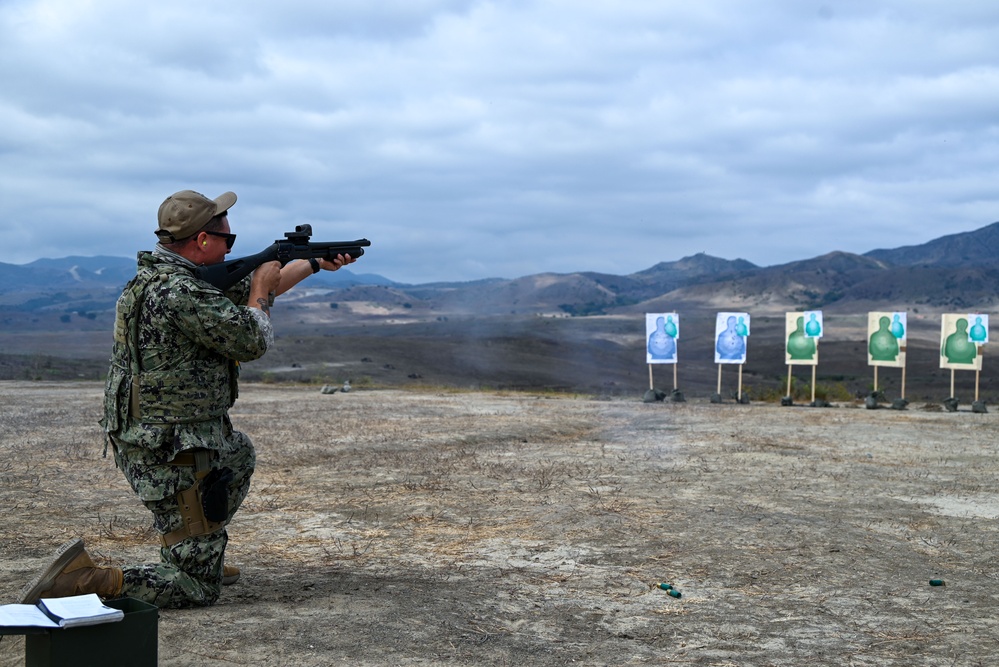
(172, 380)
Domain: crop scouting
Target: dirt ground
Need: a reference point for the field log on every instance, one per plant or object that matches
(457, 528)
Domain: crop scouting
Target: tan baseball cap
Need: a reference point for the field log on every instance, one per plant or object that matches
(184, 213)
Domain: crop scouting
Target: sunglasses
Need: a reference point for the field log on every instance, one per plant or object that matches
(230, 239)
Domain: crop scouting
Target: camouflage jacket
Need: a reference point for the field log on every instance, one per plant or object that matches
(178, 342)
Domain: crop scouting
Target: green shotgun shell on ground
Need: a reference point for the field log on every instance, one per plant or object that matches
(937, 582)
(664, 586)
(675, 593)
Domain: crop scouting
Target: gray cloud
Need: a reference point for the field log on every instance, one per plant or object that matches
(475, 139)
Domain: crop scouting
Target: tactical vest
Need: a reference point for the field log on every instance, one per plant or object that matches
(192, 391)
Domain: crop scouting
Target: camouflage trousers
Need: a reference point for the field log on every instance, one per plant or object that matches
(189, 573)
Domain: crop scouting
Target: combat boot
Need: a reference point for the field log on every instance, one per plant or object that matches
(230, 575)
(73, 572)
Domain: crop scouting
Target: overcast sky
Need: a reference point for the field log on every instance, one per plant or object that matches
(502, 139)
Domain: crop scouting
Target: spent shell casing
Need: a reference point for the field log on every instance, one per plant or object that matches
(937, 582)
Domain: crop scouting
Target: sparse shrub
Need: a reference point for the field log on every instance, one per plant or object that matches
(763, 394)
(823, 392)
(800, 392)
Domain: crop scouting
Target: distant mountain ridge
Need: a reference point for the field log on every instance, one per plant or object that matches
(977, 248)
(957, 270)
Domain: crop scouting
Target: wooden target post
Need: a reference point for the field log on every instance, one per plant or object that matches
(978, 375)
(652, 383)
(738, 391)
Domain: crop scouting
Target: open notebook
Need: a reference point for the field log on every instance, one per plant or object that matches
(68, 612)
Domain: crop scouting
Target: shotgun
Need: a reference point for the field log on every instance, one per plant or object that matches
(294, 245)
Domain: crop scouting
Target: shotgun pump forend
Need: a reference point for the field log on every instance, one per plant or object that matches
(294, 245)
